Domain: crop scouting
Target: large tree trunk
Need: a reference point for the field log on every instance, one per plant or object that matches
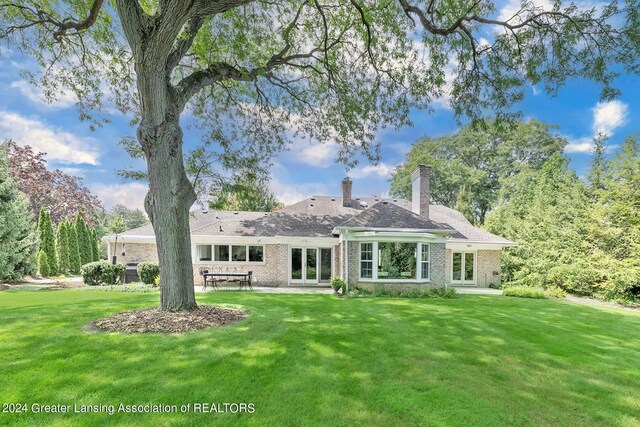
(170, 192)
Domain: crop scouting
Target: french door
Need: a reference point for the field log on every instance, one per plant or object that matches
(310, 265)
(463, 268)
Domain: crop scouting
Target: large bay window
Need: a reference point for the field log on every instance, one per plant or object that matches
(230, 253)
(395, 261)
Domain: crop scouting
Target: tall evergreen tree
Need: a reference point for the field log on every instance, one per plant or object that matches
(598, 167)
(47, 241)
(84, 241)
(43, 264)
(94, 244)
(74, 252)
(17, 238)
(62, 247)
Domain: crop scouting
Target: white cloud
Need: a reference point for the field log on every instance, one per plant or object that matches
(580, 145)
(34, 94)
(79, 172)
(607, 116)
(293, 193)
(317, 155)
(60, 145)
(130, 194)
(382, 170)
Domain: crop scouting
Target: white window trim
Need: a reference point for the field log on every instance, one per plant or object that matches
(213, 261)
(375, 278)
(372, 261)
(475, 268)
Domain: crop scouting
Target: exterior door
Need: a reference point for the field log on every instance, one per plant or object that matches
(310, 265)
(463, 268)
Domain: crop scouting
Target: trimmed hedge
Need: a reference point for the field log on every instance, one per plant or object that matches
(524, 292)
(148, 271)
(102, 272)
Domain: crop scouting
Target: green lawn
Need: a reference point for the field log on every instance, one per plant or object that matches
(320, 360)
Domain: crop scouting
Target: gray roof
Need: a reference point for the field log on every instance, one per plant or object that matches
(388, 215)
(318, 216)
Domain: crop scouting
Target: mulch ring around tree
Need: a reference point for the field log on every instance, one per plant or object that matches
(152, 320)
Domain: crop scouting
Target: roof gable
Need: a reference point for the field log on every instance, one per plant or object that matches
(388, 215)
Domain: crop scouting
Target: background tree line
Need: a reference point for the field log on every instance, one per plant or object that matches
(581, 236)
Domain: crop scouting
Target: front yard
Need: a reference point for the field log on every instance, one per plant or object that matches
(317, 359)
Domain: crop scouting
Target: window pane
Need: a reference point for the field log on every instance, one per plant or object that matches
(325, 263)
(366, 269)
(396, 260)
(238, 253)
(366, 251)
(425, 251)
(468, 266)
(457, 266)
(425, 270)
(256, 253)
(222, 252)
(312, 260)
(296, 263)
(204, 252)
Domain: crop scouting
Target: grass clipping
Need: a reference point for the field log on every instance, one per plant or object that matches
(155, 321)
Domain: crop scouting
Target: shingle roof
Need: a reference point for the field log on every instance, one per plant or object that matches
(317, 216)
(388, 215)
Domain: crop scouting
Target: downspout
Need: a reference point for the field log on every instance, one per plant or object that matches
(346, 281)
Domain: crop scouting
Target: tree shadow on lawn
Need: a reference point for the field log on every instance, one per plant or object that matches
(309, 359)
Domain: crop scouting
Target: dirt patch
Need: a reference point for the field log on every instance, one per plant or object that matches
(152, 320)
(4, 287)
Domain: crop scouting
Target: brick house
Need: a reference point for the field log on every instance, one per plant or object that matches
(391, 242)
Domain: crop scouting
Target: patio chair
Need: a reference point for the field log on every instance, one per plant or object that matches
(246, 281)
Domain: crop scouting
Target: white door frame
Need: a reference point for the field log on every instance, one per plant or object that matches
(462, 280)
(304, 280)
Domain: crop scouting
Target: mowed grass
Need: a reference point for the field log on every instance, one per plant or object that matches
(320, 360)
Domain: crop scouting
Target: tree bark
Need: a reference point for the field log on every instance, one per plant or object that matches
(170, 193)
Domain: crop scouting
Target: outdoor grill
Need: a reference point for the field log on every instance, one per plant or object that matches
(131, 272)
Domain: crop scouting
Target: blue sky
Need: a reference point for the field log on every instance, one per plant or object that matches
(306, 169)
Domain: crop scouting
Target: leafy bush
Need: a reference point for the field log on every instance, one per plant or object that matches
(148, 271)
(338, 284)
(382, 292)
(555, 292)
(102, 272)
(524, 292)
(156, 281)
(43, 264)
(496, 285)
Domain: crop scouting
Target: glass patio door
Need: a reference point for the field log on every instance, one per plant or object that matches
(463, 268)
(311, 265)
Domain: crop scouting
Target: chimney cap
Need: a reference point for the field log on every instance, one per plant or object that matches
(420, 170)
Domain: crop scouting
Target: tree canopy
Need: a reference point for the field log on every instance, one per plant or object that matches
(584, 238)
(470, 167)
(60, 194)
(18, 242)
(258, 72)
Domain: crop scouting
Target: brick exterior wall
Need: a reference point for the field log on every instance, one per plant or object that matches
(135, 252)
(487, 262)
(274, 271)
(437, 270)
(488, 265)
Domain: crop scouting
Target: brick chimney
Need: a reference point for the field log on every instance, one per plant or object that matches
(420, 190)
(346, 192)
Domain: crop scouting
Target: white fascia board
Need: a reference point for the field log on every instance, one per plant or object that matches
(353, 230)
(130, 239)
(478, 246)
(259, 240)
